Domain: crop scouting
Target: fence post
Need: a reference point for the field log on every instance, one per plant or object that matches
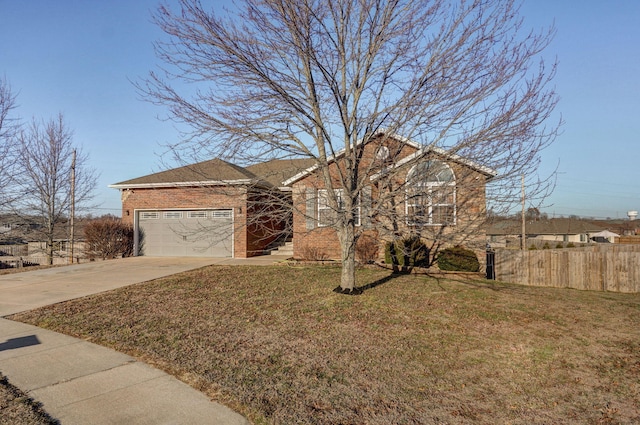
(491, 261)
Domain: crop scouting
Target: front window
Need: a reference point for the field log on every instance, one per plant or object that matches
(326, 215)
(431, 194)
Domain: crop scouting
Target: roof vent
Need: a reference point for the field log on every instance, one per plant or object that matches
(382, 154)
(632, 215)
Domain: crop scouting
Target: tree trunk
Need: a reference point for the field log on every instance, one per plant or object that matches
(50, 250)
(347, 238)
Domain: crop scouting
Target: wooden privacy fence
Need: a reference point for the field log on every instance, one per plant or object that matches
(18, 250)
(601, 267)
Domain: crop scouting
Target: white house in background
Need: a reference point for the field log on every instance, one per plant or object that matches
(605, 236)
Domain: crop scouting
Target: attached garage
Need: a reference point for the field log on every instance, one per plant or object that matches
(207, 209)
(180, 233)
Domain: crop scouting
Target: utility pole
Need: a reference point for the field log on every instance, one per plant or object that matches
(524, 232)
(73, 207)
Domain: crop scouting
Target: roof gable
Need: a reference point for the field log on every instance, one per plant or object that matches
(421, 151)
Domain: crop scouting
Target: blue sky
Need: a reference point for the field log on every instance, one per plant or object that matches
(79, 57)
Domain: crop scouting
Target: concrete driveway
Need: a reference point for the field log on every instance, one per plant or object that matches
(33, 289)
(29, 290)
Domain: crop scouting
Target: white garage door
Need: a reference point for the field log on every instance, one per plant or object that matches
(185, 233)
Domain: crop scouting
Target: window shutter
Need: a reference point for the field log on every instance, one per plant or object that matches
(311, 208)
(365, 204)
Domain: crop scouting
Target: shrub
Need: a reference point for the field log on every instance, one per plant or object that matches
(458, 259)
(312, 253)
(108, 238)
(411, 249)
(367, 249)
(546, 246)
(533, 247)
(570, 245)
(559, 245)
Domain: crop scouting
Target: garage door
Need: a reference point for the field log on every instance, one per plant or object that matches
(185, 233)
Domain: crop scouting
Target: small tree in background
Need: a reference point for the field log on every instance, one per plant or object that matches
(44, 157)
(8, 129)
(108, 237)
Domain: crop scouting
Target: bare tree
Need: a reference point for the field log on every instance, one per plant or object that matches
(319, 79)
(45, 157)
(9, 127)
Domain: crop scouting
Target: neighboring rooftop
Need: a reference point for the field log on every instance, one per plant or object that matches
(553, 226)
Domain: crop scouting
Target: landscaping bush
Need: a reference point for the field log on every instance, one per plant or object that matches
(411, 249)
(559, 245)
(312, 253)
(108, 238)
(367, 249)
(458, 259)
(546, 246)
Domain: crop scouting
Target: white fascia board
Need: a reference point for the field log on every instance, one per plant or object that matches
(489, 172)
(341, 152)
(303, 173)
(183, 184)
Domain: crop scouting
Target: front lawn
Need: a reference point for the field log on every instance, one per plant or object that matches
(277, 345)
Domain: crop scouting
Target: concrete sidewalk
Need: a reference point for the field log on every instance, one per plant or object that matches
(83, 383)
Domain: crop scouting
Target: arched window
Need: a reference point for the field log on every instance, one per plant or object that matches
(431, 194)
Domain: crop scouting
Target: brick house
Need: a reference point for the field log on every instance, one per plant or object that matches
(215, 208)
(411, 189)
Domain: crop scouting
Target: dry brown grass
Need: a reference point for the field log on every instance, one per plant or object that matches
(18, 409)
(276, 344)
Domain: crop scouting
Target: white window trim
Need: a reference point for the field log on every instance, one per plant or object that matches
(197, 214)
(427, 188)
(221, 214)
(323, 204)
(172, 215)
(149, 215)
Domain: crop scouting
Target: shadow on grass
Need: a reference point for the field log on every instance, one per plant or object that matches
(472, 280)
(477, 283)
(360, 289)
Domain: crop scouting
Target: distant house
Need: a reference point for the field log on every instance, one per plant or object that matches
(559, 230)
(14, 228)
(604, 237)
(23, 236)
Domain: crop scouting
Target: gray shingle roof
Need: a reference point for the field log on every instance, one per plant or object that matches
(217, 171)
(277, 171)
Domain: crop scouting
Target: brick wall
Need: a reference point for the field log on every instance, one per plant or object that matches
(467, 231)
